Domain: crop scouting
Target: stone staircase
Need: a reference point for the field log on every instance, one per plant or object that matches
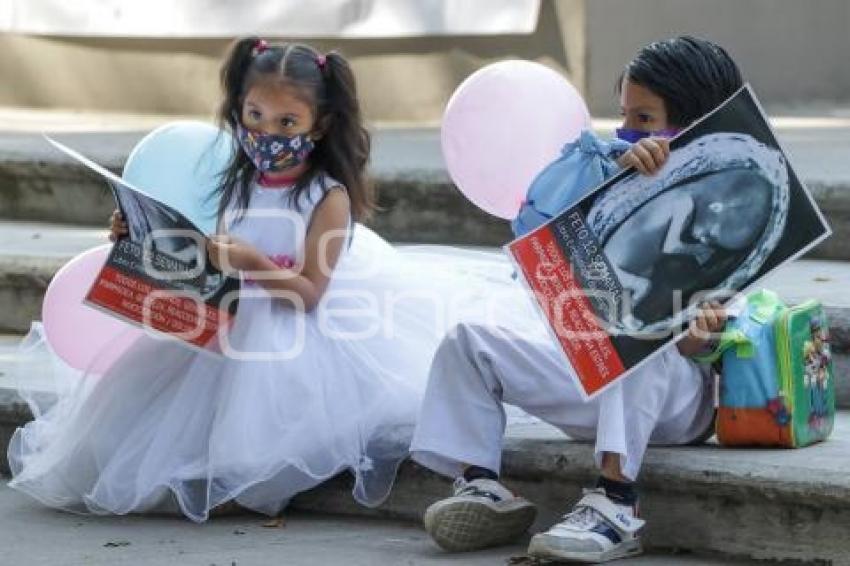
(771, 504)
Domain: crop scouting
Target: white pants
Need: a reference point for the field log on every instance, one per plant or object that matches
(669, 400)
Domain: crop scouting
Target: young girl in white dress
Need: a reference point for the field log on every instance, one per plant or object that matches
(327, 359)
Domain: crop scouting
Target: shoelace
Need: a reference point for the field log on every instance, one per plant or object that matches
(583, 518)
(462, 487)
(459, 485)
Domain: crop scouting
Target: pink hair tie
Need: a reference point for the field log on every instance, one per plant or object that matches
(320, 61)
(260, 46)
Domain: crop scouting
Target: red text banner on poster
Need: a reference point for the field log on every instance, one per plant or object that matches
(568, 310)
(167, 312)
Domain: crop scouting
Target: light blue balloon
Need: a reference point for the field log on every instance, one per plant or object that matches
(180, 164)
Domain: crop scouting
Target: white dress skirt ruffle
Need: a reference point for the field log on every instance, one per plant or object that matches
(308, 395)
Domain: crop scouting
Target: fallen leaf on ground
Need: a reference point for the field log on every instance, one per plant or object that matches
(114, 543)
(525, 561)
(276, 523)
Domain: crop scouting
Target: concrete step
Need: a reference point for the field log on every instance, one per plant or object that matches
(32, 252)
(787, 505)
(419, 202)
(766, 504)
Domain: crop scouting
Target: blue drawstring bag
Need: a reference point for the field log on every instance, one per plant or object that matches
(582, 166)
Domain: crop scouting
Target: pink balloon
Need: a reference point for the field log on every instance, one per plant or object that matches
(503, 125)
(84, 337)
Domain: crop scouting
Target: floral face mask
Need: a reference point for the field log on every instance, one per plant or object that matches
(273, 153)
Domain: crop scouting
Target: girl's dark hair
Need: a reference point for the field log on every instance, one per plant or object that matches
(328, 84)
(693, 76)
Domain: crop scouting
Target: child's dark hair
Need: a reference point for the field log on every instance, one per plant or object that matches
(692, 75)
(329, 87)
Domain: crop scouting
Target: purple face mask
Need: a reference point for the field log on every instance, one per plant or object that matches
(632, 135)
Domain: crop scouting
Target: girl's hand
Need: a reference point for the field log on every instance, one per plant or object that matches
(117, 226)
(323, 246)
(229, 254)
(709, 321)
(647, 155)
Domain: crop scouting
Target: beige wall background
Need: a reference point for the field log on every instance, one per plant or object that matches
(794, 52)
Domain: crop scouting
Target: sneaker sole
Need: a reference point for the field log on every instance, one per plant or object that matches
(461, 526)
(539, 549)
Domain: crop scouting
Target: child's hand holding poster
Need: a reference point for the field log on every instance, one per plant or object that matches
(620, 273)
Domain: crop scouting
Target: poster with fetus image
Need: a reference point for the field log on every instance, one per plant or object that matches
(158, 276)
(622, 272)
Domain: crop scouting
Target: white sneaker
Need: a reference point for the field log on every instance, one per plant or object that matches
(481, 513)
(597, 530)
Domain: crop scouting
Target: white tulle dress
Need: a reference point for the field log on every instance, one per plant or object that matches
(307, 397)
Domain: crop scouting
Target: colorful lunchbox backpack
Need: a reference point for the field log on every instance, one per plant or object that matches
(777, 386)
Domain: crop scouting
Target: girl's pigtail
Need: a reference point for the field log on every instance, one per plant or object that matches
(233, 73)
(346, 141)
